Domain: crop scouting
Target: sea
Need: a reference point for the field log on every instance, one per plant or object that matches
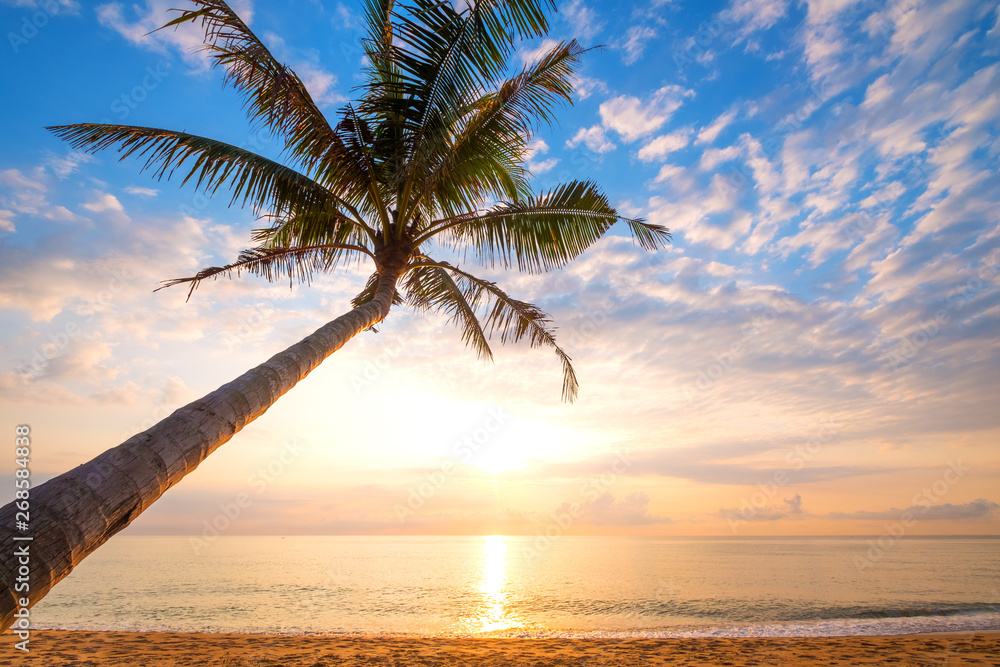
(523, 586)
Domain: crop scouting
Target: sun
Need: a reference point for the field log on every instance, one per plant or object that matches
(501, 459)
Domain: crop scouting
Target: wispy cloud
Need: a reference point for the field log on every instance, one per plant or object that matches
(974, 509)
(634, 43)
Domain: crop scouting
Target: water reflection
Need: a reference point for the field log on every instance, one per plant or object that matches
(493, 587)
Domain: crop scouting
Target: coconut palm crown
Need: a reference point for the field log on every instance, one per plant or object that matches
(438, 129)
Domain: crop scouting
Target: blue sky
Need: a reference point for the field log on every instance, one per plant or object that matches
(827, 314)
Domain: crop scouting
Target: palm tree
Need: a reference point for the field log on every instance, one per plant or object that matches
(440, 127)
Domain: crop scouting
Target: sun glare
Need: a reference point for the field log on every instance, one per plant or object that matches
(502, 460)
(493, 587)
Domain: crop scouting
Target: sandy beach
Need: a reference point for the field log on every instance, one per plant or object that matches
(153, 649)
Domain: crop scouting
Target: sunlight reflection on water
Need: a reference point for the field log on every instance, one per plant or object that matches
(497, 615)
(499, 586)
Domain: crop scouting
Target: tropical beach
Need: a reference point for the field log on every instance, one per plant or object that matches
(492, 599)
(500, 332)
(114, 649)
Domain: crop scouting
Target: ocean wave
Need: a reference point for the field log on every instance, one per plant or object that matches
(842, 627)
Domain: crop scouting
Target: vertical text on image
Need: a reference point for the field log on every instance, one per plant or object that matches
(22, 553)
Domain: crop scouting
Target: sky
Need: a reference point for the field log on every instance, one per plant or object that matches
(816, 353)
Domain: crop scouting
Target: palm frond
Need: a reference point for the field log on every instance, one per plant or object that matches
(512, 320)
(311, 228)
(443, 61)
(298, 264)
(484, 159)
(275, 95)
(368, 293)
(359, 143)
(431, 288)
(253, 180)
(543, 234)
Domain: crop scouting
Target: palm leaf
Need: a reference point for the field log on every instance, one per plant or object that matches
(298, 264)
(512, 320)
(261, 183)
(275, 96)
(484, 159)
(445, 59)
(311, 228)
(431, 288)
(368, 293)
(543, 234)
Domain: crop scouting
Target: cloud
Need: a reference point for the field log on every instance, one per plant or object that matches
(16, 387)
(320, 82)
(64, 165)
(711, 216)
(537, 166)
(789, 508)
(660, 147)
(14, 178)
(794, 504)
(710, 133)
(823, 11)
(532, 55)
(582, 19)
(635, 42)
(593, 138)
(878, 91)
(141, 191)
(738, 514)
(975, 509)
(136, 22)
(633, 510)
(104, 202)
(757, 15)
(712, 464)
(891, 187)
(29, 197)
(7, 221)
(632, 117)
(713, 157)
(586, 86)
(52, 7)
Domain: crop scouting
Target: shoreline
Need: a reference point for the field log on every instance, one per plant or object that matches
(175, 649)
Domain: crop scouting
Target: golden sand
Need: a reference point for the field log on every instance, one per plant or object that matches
(155, 649)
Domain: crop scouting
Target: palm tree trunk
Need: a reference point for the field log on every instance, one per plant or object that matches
(73, 514)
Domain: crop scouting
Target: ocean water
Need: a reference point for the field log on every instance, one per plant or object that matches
(521, 586)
